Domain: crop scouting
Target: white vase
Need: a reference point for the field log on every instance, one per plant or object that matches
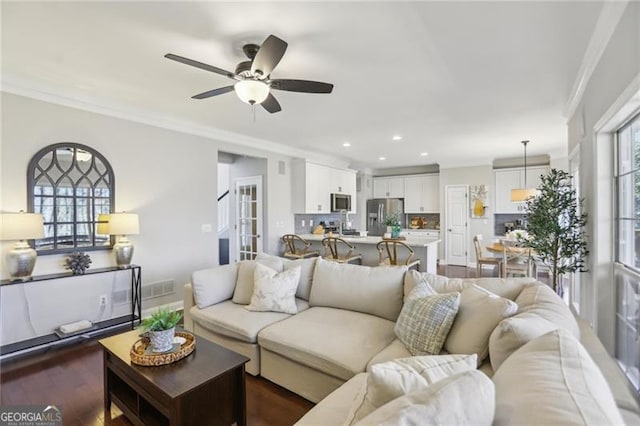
(162, 341)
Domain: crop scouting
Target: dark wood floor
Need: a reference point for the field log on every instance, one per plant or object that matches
(71, 379)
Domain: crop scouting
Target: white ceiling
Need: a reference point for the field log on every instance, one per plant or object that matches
(463, 81)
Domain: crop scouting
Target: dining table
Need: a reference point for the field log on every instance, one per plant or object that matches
(499, 247)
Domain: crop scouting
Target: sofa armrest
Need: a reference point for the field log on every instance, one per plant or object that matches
(188, 303)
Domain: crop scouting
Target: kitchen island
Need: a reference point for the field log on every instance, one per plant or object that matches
(425, 248)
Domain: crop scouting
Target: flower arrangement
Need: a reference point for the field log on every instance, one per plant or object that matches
(78, 263)
(518, 235)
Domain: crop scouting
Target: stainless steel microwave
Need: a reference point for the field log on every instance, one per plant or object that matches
(340, 202)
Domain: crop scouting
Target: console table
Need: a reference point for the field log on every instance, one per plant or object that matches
(50, 340)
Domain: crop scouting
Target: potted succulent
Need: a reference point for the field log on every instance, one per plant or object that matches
(161, 328)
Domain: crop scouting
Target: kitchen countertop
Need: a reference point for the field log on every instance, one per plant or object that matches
(354, 239)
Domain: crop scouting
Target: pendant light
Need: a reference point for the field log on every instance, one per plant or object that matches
(523, 194)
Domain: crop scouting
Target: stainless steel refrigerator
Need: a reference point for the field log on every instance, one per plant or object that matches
(378, 209)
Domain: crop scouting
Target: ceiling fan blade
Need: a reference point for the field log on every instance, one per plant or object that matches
(305, 86)
(271, 104)
(268, 56)
(200, 65)
(214, 92)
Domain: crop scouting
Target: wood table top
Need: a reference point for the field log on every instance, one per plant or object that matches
(498, 248)
(205, 363)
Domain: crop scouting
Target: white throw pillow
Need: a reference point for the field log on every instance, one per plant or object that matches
(244, 284)
(274, 291)
(389, 380)
(466, 398)
(214, 285)
(306, 274)
(424, 322)
(479, 313)
(552, 380)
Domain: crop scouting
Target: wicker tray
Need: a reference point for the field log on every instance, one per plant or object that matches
(140, 357)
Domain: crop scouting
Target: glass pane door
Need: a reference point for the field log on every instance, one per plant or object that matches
(248, 217)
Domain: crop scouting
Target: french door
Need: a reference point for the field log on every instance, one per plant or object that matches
(248, 227)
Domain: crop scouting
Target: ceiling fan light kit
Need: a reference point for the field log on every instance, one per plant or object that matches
(253, 77)
(251, 91)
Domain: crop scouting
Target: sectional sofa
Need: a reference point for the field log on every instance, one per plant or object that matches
(347, 341)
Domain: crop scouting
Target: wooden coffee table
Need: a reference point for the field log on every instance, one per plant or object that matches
(205, 388)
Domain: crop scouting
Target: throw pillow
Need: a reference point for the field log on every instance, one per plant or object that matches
(214, 285)
(274, 291)
(244, 284)
(389, 380)
(479, 314)
(466, 398)
(552, 380)
(543, 301)
(306, 274)
(424, 322)
(438, 283)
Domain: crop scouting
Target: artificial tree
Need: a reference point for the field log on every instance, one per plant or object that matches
(555, 224)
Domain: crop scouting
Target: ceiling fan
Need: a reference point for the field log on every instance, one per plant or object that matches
(254, 82)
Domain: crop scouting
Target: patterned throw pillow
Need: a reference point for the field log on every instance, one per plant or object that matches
(273, 291)
(425, 321)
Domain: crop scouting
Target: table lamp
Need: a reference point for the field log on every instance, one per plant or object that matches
(21, 227)
(123, 224)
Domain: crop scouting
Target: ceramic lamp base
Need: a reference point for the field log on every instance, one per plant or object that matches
(124, 252)
(21, 261)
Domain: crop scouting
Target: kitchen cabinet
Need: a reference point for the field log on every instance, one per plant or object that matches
(422, 194)
(388, 187)
(508, 179)
(313, 185)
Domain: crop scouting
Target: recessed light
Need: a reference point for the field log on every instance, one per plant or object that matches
(382, 158)
(424, 154)
(397, 138)
(346, 144)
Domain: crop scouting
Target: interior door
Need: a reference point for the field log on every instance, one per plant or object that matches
(457, 216)
(248, 227)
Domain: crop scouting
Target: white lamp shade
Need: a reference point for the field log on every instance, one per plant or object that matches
(251, 91)
(123, 224)
(21, 226)
(103, 224)
(523, 194)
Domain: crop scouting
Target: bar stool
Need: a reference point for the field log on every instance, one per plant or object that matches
(297, 247)
(331, 251)
(391, 248)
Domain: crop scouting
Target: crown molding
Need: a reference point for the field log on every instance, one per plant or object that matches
(20, 88)
(609, 17)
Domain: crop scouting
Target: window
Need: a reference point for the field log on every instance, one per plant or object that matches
(627, 267)
(71, 185)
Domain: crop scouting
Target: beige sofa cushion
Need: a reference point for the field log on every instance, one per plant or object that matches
(543, 301)
(307, 267)
(214, 285)
(439, 283)
(509, 288)
(394, 350)
(370, 290)
(479, 313)
(390, 380)
(233, 320)
(552, 380)
(335, 341)
(466, 398)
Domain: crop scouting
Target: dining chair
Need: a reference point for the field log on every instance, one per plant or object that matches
(392, 257)
(496, 262)
(332, 246)
(516, 260)
(297, 247)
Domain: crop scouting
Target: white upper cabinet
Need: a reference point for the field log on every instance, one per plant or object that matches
(422, 194)
(313, 185)
(388, 187)
(508, 179)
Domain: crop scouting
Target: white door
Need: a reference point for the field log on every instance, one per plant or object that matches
(248, 227)
(457, 216)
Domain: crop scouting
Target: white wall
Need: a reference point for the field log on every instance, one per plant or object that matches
(167, 177)
(619, 66)
(480, 175)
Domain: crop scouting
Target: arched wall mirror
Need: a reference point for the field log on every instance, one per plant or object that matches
(72, 186)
